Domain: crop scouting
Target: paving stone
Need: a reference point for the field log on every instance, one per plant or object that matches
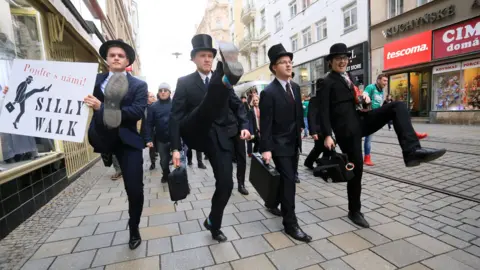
(327, 249)
(195, 214)
(94, 219)
(157, 210)
(227, 220)
(465, 258)
(337, 226)
(70, 222)
(273, 224)
(377, 217)
(295, 257)
(387, 212)
(159, 231)
(167, 218)
(260, 262)
(474, 250)
(416, 266)
(183, 206)
(470, 229)
(278, 240)
(247, 247)
(249, 216)
(329, 213)
(152, 263)
(55, 248)
(80, 260)
(458, 233)
(426, 229)
(113, 226)
(430, 222)
(189, 227)
(350, 242)
(314, 204)
(315, 231)
(187, 259)
(395, 230)
(192, 240)
(40, 264)
(223, 266)
(367, 260)
(404, 220)
(430, 244)
(334, 201)
(119, 253)
(444, 262)
(159, 246)
(74, 232)
(469, 213)
(94, 242)
(251, 229)
(246, 206)
(336, 264)
(401, 253)
(224, 252)
(372, 236)
(308, 218)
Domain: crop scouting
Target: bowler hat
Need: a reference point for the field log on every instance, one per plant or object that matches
(275, 52)
(202, 42)
(337, 49)
(118, 43)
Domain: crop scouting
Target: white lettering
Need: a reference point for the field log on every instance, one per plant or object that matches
(448, 36)
(407, 51)
(470, 31)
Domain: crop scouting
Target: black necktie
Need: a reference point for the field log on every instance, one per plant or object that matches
(207, 81)
(289, 93)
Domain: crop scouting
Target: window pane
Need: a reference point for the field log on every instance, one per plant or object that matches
(354, 15)
(346, 19)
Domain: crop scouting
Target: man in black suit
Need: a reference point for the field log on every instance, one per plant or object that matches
(207, 115)
(341, 112)
(281, 121)
(119, 101)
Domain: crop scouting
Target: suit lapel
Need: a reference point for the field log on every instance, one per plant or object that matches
(199, 82)
(281, 90)
(349, 87)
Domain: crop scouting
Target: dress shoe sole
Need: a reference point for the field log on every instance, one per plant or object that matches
(231, 67)
(134, 244)
(432, 157)
(115, 91)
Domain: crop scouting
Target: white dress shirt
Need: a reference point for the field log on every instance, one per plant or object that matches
(284, 85)
(104, 84)
(203, 76)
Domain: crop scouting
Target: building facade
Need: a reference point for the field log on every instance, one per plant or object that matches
(34, 170)
(308, 28)
(431, 52)
(215, 21)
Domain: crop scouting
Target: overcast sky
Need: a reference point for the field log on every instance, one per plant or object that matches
(167, 26)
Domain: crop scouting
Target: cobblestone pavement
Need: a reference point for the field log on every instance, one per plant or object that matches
(412, 228)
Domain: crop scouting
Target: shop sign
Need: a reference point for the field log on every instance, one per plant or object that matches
(446, 68)
(457, 39)
(427, 18)
(475, 63)
(355, 59)
(408, 51)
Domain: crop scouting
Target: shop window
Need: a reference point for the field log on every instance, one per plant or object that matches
(398, 86)
(456, 87)
(20, 37)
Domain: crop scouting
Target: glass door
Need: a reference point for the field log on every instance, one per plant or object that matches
(418, 94)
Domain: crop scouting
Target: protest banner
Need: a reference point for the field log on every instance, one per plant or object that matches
(45, 99)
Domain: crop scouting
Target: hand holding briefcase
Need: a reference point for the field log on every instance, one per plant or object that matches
(265, 179)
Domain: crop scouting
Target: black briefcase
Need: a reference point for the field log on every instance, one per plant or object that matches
(178, 184)
(10, 107)
(265, 179)
(334, 166)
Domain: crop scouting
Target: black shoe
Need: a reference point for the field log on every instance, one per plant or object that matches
(216, 234)
(358, 219)
(308, 165)
(422, 155)
(135, 239)
(232, 68)
(189, 163)
(164, 179)
(15, 125)
(297, 180)
(115, 91)
(298, 234)
(242, 190)
(152, 167)
(275, 211)
(202, 166)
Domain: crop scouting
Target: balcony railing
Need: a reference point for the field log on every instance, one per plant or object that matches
(249, 42)
(248, 13)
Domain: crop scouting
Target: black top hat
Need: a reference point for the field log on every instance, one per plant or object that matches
(118, 43)
(338, 49)
(275, 52)
(202, 42)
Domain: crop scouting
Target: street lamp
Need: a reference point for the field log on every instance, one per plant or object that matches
(177, 54)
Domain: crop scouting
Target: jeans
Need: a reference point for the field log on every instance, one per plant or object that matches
(305, 131)
(163, 149)
(367, 145)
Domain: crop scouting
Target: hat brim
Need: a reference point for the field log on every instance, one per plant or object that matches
(127, 48)
(330, 56)
(194, 51)
(289, 54)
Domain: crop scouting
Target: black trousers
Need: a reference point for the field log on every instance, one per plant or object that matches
(287, 166)
(131, 163)
(153, 151)
(190, 156)
(197, 127)
(249, 147)
(164, 153)
(241, 158)
(371, 122)
(317, 149)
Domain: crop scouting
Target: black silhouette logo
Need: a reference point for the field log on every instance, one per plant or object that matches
(22, 96)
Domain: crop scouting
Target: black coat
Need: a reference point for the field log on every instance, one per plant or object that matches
(252, 120)
(336, 104)
(280, 120)
(189, 93)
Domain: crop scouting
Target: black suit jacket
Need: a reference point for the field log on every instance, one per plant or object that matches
(337, 110)
(280, 121)
(133, 108)
(189, 94)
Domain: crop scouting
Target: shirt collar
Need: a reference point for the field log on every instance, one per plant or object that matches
(284, 84)
(203, 76)
(111, 73)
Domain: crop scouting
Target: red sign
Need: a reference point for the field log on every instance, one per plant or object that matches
(408, 51)
(457, 39)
